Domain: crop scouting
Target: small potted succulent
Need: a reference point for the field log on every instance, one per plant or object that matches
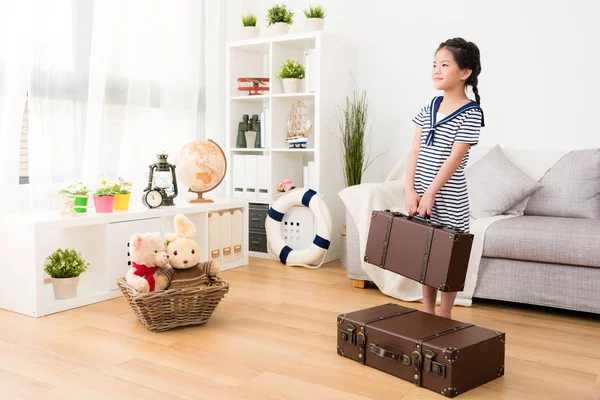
(315, 17)
(250, 30)
(64, 268)
(104, 197)
(292, 73)
(122, 192)
(280, 18)
(79, 192)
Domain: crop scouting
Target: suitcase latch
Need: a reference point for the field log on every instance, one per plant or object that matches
(433, 367)
(351, 333)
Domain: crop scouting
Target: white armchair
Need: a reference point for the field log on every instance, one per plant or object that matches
(360, 201)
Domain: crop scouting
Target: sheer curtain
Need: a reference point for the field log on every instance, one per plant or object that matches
(13, 92)
(113, 84)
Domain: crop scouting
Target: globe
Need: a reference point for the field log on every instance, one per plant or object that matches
(201, 166)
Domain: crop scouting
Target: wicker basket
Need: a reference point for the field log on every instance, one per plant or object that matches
(173, 308)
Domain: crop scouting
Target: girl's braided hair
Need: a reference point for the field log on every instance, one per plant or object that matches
(466, 55)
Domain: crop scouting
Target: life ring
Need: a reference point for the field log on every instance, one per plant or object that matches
(276, 246)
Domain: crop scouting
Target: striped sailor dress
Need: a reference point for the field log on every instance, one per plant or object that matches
(451, 204)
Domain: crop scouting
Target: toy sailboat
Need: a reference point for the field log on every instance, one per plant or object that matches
(298, 126)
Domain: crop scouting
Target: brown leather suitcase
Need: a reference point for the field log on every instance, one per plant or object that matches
(440, 354)
(432, 254)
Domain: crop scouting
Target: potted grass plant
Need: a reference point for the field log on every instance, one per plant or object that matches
(249, 30)
(292, 73)
(280, 18)
(64, 268)
(315, 18)
(122, 193)
(355, 142)
(79, 192)
(104, 197)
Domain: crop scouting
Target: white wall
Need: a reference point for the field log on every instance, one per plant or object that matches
(539, 65)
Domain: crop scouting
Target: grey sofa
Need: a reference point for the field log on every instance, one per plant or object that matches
(548, 252)
(550, 256)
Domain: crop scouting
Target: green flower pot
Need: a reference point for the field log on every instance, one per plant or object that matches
(81, 201)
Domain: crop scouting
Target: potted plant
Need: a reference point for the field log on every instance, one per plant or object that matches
(79, 192)
(104, 197)
(280, 18)
(292, 73)
(64, 267)
(315, 17)
(122, 193)
(285, 186)
(355, 159)
(250, 30)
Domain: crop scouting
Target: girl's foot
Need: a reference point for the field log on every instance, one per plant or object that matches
(445, 314)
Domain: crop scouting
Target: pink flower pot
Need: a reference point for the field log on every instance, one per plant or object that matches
(104, 204)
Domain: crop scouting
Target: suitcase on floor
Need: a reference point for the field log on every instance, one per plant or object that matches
(440, 354)
(428, 253)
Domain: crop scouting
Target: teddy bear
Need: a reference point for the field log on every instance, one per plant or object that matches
(184, 256)
(150, 268)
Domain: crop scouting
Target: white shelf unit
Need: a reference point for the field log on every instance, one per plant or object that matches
(329, 71)
(102, 239)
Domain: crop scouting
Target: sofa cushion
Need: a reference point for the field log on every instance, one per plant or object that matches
(571, 187)
(572, 241)
(495, 184)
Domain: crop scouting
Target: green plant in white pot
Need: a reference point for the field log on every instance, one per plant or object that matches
(315, 18)
(292, 73)
(250, 30)
(64, 267)
(280, 18)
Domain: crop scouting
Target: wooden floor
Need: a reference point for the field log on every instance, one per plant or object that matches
(274, 337)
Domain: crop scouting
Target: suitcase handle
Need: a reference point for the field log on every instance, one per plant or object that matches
(381, 352)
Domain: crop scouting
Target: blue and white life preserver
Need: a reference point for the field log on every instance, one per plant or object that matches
(276, 245)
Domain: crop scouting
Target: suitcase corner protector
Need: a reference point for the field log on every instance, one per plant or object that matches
(450, 392)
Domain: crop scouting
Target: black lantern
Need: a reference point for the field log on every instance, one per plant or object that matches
(162, 184)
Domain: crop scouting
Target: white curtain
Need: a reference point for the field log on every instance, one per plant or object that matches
(13, 92)
(113, 84)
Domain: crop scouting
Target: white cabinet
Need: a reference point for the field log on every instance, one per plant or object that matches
(102, 239)
(257, 172)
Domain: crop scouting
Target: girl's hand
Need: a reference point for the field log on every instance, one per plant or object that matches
(426, 204)
(411, 200)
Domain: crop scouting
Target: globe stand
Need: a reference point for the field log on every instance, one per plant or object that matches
(200, 199)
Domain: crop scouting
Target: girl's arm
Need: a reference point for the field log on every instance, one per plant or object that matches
(446, 171)
(411, 196)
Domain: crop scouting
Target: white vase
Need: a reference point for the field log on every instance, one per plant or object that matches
(280, 28)
(291, 85)
(65, 288)
(250, 32)
(315, 24)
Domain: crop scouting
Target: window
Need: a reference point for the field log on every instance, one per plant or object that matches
(24, 154)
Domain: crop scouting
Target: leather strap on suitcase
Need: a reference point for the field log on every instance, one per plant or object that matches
(417, 355)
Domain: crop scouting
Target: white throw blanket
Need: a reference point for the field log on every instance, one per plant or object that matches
(361, 200)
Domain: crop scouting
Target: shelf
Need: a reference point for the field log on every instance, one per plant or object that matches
(260, 97)
(243, 150)
(53, 220)
(310, 150)
(301, 40)
(84, 297)
(306, 95)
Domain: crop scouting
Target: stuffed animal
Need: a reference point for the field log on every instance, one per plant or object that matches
(184, 256)
(150, 269)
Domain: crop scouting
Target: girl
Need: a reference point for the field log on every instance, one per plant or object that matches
(446, 128)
